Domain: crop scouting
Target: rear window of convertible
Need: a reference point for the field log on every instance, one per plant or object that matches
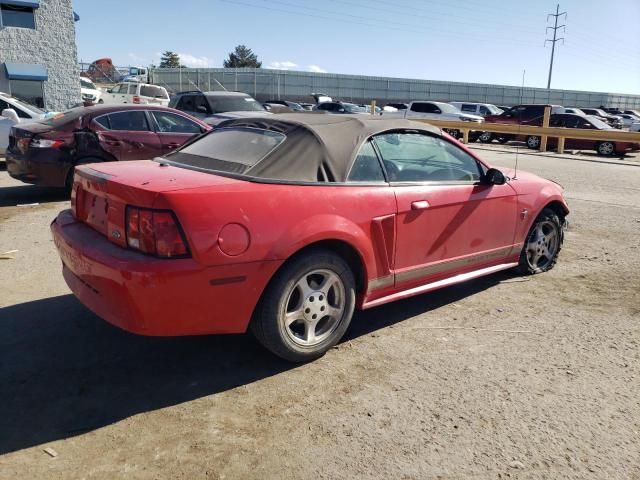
(233, 150)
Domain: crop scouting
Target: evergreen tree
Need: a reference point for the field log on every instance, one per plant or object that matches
(242, 57)
(170, 60)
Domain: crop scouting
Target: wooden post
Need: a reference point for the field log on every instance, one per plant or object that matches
(465, 135)
(545, 124)
(373, 107)
(560, 144)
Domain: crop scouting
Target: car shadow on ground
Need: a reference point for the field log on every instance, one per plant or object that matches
(64, 371)
(28, 194)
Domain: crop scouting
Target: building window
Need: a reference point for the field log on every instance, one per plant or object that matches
(17, 16)
(30, 91)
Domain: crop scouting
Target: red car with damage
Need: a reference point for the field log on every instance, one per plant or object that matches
(285, 225)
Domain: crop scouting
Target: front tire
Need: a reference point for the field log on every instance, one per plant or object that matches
(542, 245)
(486, 137)
(307, 307)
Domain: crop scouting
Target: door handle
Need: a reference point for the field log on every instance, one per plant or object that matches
(113, 143)
(419, 205)
(173, 145)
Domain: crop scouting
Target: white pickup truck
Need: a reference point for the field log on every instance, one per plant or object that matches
(433, 110)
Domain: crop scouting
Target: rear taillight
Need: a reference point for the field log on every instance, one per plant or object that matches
(136, 99)
(155, 232)
(44, 143)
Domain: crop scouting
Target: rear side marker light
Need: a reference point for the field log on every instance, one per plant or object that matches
(155, 232)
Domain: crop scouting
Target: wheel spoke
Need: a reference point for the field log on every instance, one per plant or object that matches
(303, 286)
(327, 283)
(310, 331)
(534, 257)
(334, 312)
(290, 317)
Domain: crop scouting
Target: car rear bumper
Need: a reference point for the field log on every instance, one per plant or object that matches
(156, 297)
(46, 167)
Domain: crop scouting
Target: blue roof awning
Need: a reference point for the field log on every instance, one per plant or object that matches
(26, 71)
(76, 17)
(21, 3)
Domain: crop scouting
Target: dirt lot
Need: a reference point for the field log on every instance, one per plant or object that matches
(504, 377)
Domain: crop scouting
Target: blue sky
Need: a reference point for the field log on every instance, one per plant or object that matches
(483, 41)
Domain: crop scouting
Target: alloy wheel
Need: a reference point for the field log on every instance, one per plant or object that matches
(542, 245)
(314, 308)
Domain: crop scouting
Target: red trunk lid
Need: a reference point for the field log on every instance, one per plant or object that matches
(102, 191)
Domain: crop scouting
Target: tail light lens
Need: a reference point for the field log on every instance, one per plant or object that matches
(44, 143)
(136, 99)
(155, 232)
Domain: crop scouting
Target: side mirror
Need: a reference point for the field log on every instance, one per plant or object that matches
(341, 110)
(11, 114)
(495, 177)
(202, 109)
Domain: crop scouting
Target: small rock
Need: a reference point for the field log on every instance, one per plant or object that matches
(569, 372)
(516, 464)
(500, 310)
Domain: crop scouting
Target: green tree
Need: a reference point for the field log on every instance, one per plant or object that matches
(170, 59)
(242, 57)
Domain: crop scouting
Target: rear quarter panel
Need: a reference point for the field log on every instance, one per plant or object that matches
(281, 219)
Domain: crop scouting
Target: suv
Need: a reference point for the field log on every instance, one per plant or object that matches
(482, 109)
(340, 107)
(215, 107)
(613, 120)
(138, 93)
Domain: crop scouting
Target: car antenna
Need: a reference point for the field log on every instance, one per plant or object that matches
(515, 171)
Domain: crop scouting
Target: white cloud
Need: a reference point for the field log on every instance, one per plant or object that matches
(137, 58)
(192, 61)
(286, 65)
(316, 69)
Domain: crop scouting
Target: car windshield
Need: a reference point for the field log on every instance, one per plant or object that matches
(220, 104)
(494, 110)
(27, 106)
(446, 108)
(87, 84)
(65, 117)
(599, 124)
(231, 150)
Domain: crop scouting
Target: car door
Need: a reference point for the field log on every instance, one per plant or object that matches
(174, 130)
(129, 136)
(448, 219)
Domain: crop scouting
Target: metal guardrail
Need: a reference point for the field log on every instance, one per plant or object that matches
(560, 133)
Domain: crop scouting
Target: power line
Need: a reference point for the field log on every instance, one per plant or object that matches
(555, 39)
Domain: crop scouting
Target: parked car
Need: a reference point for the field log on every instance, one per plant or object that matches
(613, 120)
(296, 107)
(307, 106)
(45, 153)
(567, 120)
(284, 225)
(13, 112)
(517, 114)
(89, 92)
(628, 119)
(482, 109)
(137, 93)
(398, 106)
(633, 112)
(215, 107)
(635, 127)
(433, 110)
(341, 108)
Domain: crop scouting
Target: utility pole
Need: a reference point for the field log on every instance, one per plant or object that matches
(555, 38)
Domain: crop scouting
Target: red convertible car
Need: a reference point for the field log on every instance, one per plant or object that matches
(285, 225)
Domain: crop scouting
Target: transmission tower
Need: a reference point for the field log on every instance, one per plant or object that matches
(555, 29)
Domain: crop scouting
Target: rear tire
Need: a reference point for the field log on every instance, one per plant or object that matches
(606, 149)
(307, 307)
(486, 137)
(533, 142)
(542, 245)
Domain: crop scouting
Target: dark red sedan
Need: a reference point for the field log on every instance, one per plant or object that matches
(46, 152)
(285, 225)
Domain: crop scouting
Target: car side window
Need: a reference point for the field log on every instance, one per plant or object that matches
(415, 157)
(104, 121)
(133, 89)
(484, 110)
(201, 105)
(469, 108)
(172, 123)
(419, 107)
(134, 121)
(366, 167)
(187, 104)
(116, 89)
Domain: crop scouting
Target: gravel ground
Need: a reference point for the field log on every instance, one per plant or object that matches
(503, 377)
